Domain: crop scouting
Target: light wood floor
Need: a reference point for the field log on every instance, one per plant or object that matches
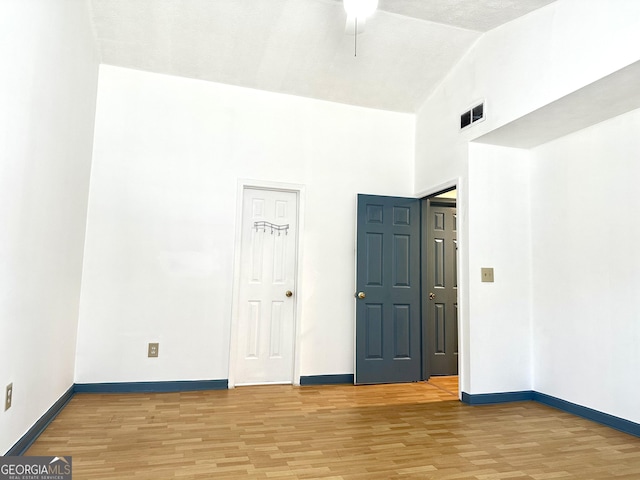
(405, 431)
(448, 384)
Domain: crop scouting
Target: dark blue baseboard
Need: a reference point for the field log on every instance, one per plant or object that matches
(504, 397)
(151, 387)
(327, 379)
(34, 432)
(618, 423)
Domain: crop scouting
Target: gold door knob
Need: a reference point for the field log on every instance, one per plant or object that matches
(432, 296)
(361, 295)
(288, 293)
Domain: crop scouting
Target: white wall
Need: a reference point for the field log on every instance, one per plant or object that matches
(158, 265)
(47, 98)
(500, 312)
(585, 210)
(519, 67)
(516, 69)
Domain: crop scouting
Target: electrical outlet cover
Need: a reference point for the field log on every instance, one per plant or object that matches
(152, 351)
(8, 397)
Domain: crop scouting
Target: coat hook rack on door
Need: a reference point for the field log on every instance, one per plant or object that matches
(271, 226)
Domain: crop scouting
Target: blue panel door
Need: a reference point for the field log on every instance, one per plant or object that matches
(440, 298)
(388, 290)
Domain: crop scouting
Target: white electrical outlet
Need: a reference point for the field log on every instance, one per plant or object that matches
(8, 398)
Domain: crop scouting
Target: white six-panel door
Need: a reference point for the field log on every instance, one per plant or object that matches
(267, 296)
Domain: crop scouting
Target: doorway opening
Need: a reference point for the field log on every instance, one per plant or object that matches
(406, 288)
(439, 272)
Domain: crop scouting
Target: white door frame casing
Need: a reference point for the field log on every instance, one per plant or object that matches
(299, 190)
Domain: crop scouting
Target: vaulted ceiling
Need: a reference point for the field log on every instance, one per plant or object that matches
(300, 47)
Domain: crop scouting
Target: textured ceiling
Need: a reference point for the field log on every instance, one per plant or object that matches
(478, 15)
(299, 47)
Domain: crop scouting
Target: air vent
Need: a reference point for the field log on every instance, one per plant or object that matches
(471, 116)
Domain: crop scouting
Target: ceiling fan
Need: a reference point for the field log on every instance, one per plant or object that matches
(357, 13)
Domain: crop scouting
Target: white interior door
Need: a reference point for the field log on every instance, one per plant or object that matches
(266, 326)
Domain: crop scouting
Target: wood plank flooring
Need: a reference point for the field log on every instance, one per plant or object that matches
(447, 383)
(404, 431)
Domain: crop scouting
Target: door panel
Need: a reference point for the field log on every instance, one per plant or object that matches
(439, 297)
(266, 323)
(388, 274)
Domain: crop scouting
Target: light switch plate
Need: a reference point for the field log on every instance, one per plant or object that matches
(487, 274)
